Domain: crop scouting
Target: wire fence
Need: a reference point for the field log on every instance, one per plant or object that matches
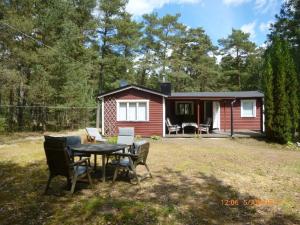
(45, 118)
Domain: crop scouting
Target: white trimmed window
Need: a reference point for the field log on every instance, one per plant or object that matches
(248, 108)
(132, 110)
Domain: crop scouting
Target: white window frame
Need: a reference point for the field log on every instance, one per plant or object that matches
(253, 101)
(184, 102)
(127, 108)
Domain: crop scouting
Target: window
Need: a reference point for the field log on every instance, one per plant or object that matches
(132, 110)
(184, 108)
(248, 108)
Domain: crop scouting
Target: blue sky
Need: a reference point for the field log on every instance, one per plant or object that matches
(217, 17)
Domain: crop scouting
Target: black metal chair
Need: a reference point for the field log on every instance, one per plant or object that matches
(60, 163)
(129, 161)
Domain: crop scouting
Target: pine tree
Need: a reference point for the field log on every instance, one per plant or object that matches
(236, 48)
(268, 92)
(281, 119)
(292, 86)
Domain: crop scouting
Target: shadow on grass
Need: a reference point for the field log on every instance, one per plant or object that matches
(170, 198)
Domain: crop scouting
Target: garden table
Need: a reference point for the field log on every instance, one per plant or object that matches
(103, 149)
(189, 124)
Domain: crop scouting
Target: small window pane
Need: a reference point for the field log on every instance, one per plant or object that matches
(122, 111)
(142, 111)
(248, 109)
(181, 109)
(187, 109)
(132, 111)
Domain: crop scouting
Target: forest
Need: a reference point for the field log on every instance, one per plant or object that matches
(63, 53)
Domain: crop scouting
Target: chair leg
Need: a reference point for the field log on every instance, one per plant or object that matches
(115, 174)
(74, 183)
(148, 170)
(136, 176)
(89, 178)
(48, 184)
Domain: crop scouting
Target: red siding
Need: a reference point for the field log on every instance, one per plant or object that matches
(240, 123)
(152, 127)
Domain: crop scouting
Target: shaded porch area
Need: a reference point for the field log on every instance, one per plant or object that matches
(189, 114)
(222, 114)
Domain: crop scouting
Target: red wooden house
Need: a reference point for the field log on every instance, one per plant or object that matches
(146, 110)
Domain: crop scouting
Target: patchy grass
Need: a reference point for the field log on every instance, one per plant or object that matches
(191, 178)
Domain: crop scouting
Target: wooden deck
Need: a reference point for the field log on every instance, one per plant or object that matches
(220, 134)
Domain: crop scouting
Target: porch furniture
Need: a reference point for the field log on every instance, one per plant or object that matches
(126, 136)
(129, 161)
(60, 163)
(191, 124)
(103, 149)
(93, 135)
(205, 126)
(172, 128)
(73, 141)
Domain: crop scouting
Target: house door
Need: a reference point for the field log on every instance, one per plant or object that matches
(216, 115)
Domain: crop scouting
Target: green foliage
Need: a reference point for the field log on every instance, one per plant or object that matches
(3, 125)
(239, 59)
(281, 82)
(155, 137)
(113, 140)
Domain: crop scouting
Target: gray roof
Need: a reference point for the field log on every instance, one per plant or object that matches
(225, 94)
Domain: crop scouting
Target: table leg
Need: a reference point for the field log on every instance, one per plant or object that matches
(103, 168)
(95, 162)
(182, 130)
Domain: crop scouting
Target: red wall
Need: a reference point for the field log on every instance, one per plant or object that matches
(152, 127)
(240, 123)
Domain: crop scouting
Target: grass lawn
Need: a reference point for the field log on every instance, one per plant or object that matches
(193, 178)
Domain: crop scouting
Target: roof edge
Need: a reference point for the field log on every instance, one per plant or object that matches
(127, 87)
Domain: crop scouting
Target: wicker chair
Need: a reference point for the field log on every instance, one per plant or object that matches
(60, 163)
(129, 161)
(204, 127)
(172, 128)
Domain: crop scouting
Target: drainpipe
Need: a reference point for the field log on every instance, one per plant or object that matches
(231, 115)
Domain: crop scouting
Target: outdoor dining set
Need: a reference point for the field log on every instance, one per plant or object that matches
(69, 157)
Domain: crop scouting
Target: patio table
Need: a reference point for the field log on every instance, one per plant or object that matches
(189, 124)
(103, 149)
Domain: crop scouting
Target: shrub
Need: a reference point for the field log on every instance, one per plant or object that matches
(3, 125)
(155, 137)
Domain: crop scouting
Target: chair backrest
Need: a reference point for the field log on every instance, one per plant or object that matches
(168, 122)
(141, 149)
(126, 136)
(72, 141)
(208, 121)
(58, 159)
(94, 132)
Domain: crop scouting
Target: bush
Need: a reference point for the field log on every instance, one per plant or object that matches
(112, 140)
(155, 137)
(3, 125)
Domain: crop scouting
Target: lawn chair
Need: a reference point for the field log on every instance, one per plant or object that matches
(125, 137)
(205, 126)
(129, 161)
(172, 128)
(73, 141)
(60, 163)
(93, 135)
